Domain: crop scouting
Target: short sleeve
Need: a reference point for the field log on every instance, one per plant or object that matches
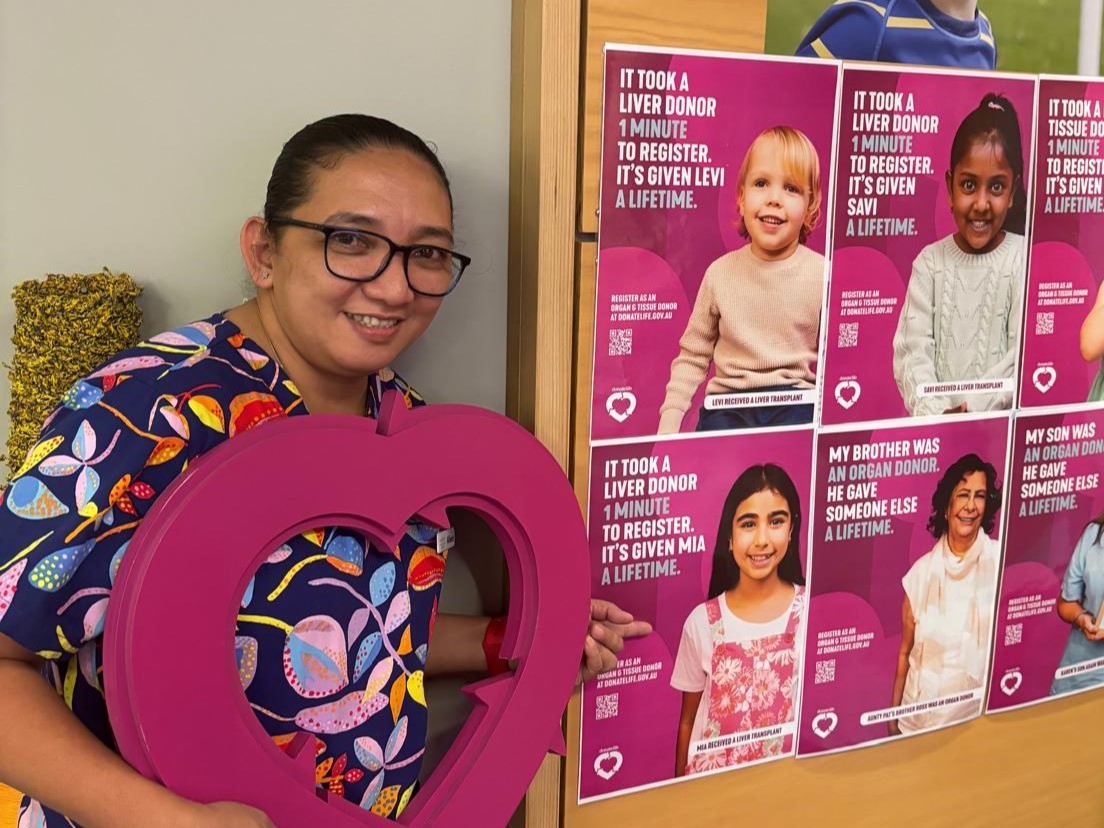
(1073, 584)
(70, 511)
(688, 675)
(851, 30)
(912, 582)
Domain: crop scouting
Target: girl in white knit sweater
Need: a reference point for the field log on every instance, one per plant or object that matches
(961, 317)
(757, 314)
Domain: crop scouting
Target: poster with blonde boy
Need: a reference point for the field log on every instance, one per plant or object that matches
(711, 267)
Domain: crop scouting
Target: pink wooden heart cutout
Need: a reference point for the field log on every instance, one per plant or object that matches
(185, 721)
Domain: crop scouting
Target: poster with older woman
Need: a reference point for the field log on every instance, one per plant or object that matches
(929, 247)
(1050, 620)
(906, 554)
(1064, 334)
(715, 195)
(707, 539)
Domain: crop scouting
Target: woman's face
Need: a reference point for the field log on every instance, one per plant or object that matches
(979, 190)
(772, 203)
(967, 508)
(761, 534)
(352, 329)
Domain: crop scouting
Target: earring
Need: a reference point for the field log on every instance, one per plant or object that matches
(264, 276)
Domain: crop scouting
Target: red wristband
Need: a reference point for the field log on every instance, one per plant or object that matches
(492, 646)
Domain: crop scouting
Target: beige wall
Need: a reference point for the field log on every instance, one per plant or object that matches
(138, 135)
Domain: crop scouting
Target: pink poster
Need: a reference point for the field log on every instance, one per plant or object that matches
(906, 556)
(1064, 333)
(929, 250)
(715, 198)
(1049, 641)
(707, 539)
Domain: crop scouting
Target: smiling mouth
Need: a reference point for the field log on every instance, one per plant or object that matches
(774, 221)
(980, 226)
(366, 321)
(760, 560)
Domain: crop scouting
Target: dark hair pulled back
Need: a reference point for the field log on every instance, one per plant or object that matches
(324, 144)
(994, 121)
(726, 572)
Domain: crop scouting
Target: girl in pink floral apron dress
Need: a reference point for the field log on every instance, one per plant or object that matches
(738, 664)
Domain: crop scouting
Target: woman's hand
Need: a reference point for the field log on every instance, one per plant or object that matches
(1088, 627)
(609, 627)
(958, 409)
(229, 815)
(893, 728)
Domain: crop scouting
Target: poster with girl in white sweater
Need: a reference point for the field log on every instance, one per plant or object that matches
(716, 172)
(929, 250)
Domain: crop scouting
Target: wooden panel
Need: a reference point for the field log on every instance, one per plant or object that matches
(587, 268)
(727, 25)
(541, 301)
(1030, 767)
(1025, 768)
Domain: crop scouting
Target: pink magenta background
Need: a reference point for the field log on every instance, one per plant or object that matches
(860, 263)
(666, 252)
(857, 583)
(1036, 555)
(1068, 248)
(645, 728)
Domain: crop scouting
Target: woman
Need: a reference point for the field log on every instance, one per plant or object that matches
(1079, 605)
(949, 594)
(351, 262)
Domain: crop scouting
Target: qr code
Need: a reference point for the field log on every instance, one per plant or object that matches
(1013, 634)
(1044, 324)
(607, 707)
(848, 335)
(825, 671)
(620, 342)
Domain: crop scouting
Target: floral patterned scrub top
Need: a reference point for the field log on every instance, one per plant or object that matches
(351, 621)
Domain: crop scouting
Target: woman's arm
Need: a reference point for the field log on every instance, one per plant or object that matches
(690, 702)
(1074, 614)
(1071, 597)
(93, 786)
(457, 642)
(908, 639)
(1092, 330)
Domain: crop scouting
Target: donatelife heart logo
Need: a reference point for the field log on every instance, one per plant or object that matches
(620, 405)
(608, 763)
(186, 721)
(1010, 682)
(824, 724)
(848, 393)
(1044, 378)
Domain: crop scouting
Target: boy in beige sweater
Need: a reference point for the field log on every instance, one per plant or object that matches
(757, 314)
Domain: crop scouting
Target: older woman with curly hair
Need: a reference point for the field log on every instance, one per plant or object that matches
(950, 591)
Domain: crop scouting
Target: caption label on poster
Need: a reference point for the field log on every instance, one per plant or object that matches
(643, 538)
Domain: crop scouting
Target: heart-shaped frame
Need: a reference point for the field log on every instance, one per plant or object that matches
(185, 722)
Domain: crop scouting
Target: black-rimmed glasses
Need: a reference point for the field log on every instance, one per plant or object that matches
(361, 256)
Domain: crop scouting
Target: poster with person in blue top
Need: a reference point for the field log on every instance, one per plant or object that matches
(1036, 36)
(932, 32)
